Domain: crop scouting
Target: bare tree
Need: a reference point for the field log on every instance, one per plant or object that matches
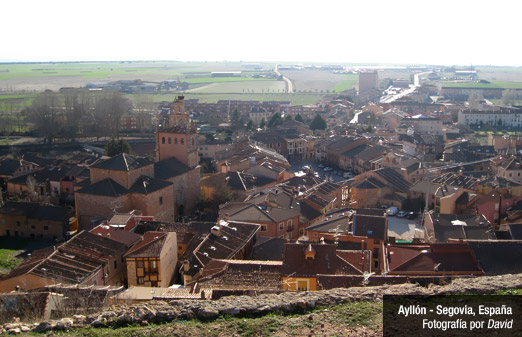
(45, 113)
(508, 96)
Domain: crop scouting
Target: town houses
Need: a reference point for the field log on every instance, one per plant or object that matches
(240, 196)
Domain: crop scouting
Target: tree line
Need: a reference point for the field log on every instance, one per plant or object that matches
(72, 113)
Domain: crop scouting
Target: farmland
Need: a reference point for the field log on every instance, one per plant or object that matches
(242, 87)
(53, 76)
(478, 85)
(296, 98)
(311, 80)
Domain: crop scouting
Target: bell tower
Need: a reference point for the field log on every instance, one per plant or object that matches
(178, 139)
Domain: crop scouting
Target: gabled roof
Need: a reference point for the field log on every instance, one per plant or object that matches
(373, 227)
(333, 222)
(394, 178)
(150, 245)
(326, 261)
(21, 208)
(35, 211)
(73, 261)
(254, 214)
(146, 185)
(8, 166)
(369, 183)
(268, 249)
(457, 180)
(106, 187)
(51, 213)
(232, 237)
(372, 152)
(241, 274)
(120, 235)
(450, 226)
(342, 143)
(513, 163)
(356, 150)
(498, 257)
(496, 181)
(169, 168)
(43, 176)
(447, 258)
(123, 162)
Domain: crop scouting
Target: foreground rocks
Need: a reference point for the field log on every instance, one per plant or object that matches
(248, 306)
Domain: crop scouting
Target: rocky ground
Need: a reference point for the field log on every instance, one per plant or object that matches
(341, 312)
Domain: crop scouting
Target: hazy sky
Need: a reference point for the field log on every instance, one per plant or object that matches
(371, 31)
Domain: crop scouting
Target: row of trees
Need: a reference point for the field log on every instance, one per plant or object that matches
(74, 113)
(237, 122)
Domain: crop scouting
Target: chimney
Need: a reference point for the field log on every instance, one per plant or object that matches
(216, 230)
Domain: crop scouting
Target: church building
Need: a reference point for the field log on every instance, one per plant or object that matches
(167, 188)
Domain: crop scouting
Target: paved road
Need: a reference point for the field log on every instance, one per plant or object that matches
(289, 84)
(416, 84)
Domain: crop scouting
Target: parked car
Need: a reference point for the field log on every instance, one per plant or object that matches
(411, 215)
(326, 169)
(320, 165)
(347, 175)
(306, 167)
(391, 211)
(402, 214)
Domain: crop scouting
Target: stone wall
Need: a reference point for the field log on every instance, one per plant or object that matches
(252, 306)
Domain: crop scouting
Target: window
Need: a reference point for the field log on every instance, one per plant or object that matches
(139, 264)
(193, 144)
(33, 227)
(301, 231)
(162, 140)
(46, 228)
(263, 228)
(281, 225)
(141, 280)
(376, 253)
(176, 140)
(115, 264)
(170, 140)
(182, 141)
(153, 264)
(161, 200)
(302, 285)
(289, 224)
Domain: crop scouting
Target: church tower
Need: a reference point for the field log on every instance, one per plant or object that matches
(178, 138)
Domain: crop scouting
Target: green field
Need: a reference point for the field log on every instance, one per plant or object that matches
(53, 76)
(223, 79)
(103, 69)
(346, 84)
(242, 87)
(492, 85)
(295, 99)
(313, 80)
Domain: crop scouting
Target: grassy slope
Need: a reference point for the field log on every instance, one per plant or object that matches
(352, 319)
(9, 249)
